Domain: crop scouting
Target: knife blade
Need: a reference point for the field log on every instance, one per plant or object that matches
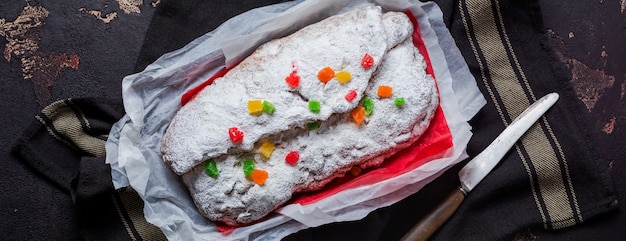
(476, 169)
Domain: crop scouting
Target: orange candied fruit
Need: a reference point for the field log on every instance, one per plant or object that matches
(358, 115)
(385, 91)
(259, 176)
(326, 74)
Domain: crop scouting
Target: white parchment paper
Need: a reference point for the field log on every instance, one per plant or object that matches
(152, 97)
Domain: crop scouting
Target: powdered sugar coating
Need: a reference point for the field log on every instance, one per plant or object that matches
(199, 129)
(325, 153)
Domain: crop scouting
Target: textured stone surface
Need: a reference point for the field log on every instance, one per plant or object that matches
(56, 50)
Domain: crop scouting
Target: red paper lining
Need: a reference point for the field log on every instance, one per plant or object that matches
(431, 145)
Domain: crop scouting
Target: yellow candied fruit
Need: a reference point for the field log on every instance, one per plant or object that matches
(343, 76)
(266, 149)
(259, 176)
(255, 107)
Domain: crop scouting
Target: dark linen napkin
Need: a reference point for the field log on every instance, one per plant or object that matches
(550, 180)
(66, 145)
(553, 178)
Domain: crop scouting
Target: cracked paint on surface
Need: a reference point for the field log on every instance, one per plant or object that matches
(588, 83)
(130, 6)
(43, 70)
(127, 6)
(23, 43)
(20, 46)
(609, 126)
(43, 67)
(17, 33)
(98, 14)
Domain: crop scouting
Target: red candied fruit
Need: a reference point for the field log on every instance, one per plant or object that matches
(236, 136)
(351, 95)
(292, 158)
(293, 80)
(367, 61)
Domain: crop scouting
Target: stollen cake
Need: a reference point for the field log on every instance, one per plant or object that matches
(254, 137)
(283, 73)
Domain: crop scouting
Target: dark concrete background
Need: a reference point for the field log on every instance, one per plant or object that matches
(69, 49)
(71, 53)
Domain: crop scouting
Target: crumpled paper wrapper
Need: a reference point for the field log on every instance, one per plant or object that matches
(152, 97)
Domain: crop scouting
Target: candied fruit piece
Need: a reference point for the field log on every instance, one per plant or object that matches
(385, 91)
(358, 115)
(292, 158)
(255, 107)
(351, 95)
(313, 125)
(266, 149)
(293, 80)
(399, 102)
(343, 76)
(210, 168)
(248, 167)
(367, 61)
(314, 106)
(326, 74)
(259, 176)
(236, 136)
(268, 107)
(355, 171)
(368, 104)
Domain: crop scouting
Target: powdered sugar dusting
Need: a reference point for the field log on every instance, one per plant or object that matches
(199, 130)
(327, 152)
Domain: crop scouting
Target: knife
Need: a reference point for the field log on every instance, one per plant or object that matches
(475, 170)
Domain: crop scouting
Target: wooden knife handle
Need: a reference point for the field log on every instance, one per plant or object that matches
(429, 224)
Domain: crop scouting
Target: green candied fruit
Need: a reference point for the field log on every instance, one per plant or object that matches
(313, 125)
(248, 167)
(268, 107)
(368, 104)
(314, 106)
(210, 168)
(399, 102)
